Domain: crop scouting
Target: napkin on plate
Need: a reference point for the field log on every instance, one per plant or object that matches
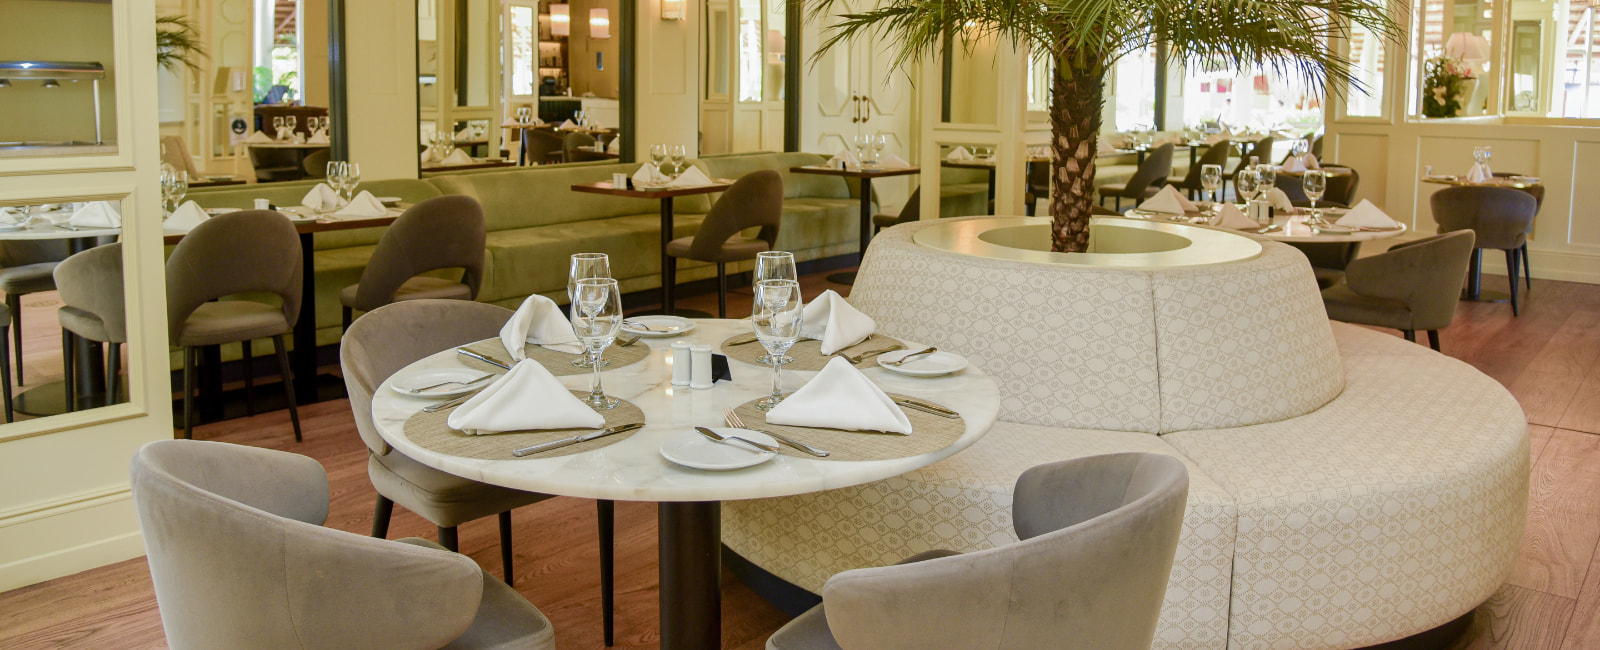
(567, 126)
(1279, 200)
(959, 154)
(842, 159)
(15, 215)
(259, 138)
(1233, 217)
(649, 175)
(363, 205)
(101, 214)
(1367, 215)
(1168, 201)
(321, 198)
(539, 321)
(832, 320)
(1479, 174)
(320, 137)
(614, 146)
(527, 398)
(891, 161)
(840, 397)
(185, 218)
(1105, 147)
(457, 157)
(691, 177)
(1300, 163)
(464, 134)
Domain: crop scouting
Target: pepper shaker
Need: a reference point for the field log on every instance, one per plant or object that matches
(701, 377)
(681, 364)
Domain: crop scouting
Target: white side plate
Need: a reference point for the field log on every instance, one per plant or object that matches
(409, 383)
(658, 326)
(927, 365)
(692, 450)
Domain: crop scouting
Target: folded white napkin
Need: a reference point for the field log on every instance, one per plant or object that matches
(100, 214)
(527, 398)
(891, 161)
(1105, 147)
(648, 175)
(1479, 174)
(464, 134)
(457, 157)
(959, 153)
(363, 205)
(842, 159)
(1279, 200)
(259, 138)
(567, 126)
(1301, 163)
(1367, 215)
(614, 146)
(1168, 201)
(185, 218)
(428, 156)
(832, 320)
(691, 177)
(840, 397)
(1233, 217)
(320, 137)
(540, 322)
(321, 198)
(15, 215)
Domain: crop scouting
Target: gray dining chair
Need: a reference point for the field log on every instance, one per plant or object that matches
(543, 146)
(1146, 180)
(753, 201)
(316, 163)
(1217, 155)
(911, 212)
(1098, 535)
(571, 144)
(208, 276)
(93, 309)
(387, 340)
(239, 559)
(27, 266)
(1413, 286)
(445, 232)
(1537, 192)
(1500, 217)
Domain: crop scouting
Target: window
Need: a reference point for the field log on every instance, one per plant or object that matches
(1135, 90)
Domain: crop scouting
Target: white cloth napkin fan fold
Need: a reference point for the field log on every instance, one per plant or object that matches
(649, 175)
(959, 154)
(1367, 215)
(1168, 201)
(363, 205)
(691, 177)
(527, 398)
(185, 218)
(540, 322)
(841, 397)
(1298, 164)
(103, 214)
(259, 138)
(1279, 199)
(843, 159)
(1232, 217)
(321, 198)
(1479, 174)
(831, 319)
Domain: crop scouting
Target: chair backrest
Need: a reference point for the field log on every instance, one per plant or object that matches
(1157, 166)
(1039, 177)
(92, 281)
(238, 252)
(174, 152)
(239, 559)
(22, 252)
(1537, 191)
(389, 338)
(1424, 274)
(912, 210)
(316, 164)
(541, 144)
(445, 232)
(1342, 187)
(1261, 150)
(573, 140)
(1216, 155)
(1500, 216)
(1098, 538)
(756, 199)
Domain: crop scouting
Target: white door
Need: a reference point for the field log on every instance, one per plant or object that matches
(716, 95)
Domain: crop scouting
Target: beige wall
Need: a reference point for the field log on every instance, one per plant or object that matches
(314, 51)
(581, 50)
(667, 79)
(381, 52)
(49, 30)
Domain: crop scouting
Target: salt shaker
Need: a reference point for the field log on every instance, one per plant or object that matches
(681, 365)
(701, 377)
(263, 204)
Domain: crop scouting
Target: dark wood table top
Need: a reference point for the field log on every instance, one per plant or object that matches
(479, 164)
(218, 182)
(303, 227)
(856, 173)
(605, 187)
(968, 164)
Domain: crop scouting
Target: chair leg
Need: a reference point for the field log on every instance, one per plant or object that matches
(69, 396)
(505, 546)
(346, 318)
(380, 517)
(447, 539)
(189, 354)
(14, 302)
(288, 382)
(670, 277)
(247, 356)
(1527, 273)
(113, 372)
(5, 372)
(606, 510)
(1433, 340)
(722, 290)
(1512, 267)
(1411, 335)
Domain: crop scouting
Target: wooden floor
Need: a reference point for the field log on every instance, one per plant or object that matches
(1549, 358)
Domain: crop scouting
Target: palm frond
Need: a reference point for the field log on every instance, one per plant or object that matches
(178, 42)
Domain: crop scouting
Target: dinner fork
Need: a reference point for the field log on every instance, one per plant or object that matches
(733, 420)
(728, 440)
(898, 362)
(870, 353)
(468, 382)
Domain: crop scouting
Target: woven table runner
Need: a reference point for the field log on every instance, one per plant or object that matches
(429, 431)
(807, 353)
(558, 363)
(929, 433)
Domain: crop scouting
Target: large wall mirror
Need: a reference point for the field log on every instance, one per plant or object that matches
(519, 82)
(744, 85)
(57, 71)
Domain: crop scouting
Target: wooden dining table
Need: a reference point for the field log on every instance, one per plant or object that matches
(865, 176)
(665, 195)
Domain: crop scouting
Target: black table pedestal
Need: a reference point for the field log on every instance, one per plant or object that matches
(849, 277)
(690, 572)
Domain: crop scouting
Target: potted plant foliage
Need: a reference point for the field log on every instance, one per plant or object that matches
(1443, 84)
(178, 43)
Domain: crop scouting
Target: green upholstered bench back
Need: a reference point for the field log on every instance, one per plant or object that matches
(543, 196)
(286, 194)
(795, 186)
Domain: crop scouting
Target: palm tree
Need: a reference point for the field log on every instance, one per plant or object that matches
(1086, 37)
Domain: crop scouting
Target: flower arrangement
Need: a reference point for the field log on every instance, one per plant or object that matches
(1441, 84)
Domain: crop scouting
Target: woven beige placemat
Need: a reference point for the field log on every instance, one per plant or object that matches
(558, 363)
(807, 353)
(929, 433)
(429, 431)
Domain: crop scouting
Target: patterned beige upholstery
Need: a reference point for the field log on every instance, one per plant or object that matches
(1389, 502)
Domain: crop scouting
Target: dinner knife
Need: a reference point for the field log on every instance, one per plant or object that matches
(526, 451)
(473, 355)
(928, 408)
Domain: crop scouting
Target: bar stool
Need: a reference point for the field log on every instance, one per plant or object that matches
(445, 232)
(251, 251)
(1501, 218)
(754, 201)
(1156, 167)
(93, 309)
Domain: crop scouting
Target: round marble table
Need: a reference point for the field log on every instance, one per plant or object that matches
(1291, 228)
(690, 500)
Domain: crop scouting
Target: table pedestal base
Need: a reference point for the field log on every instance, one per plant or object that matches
(690, 573)
(846, 277)
(51, 399)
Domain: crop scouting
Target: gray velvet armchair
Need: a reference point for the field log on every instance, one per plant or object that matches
(1098, 538)
(1414, 286)
(240, 560)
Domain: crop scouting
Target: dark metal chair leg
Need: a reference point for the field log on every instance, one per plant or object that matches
(722, 289)
(505, 546)
(247, 356)
(447, 539)
(189, 354)
(670, 276)
(14, 302)
(68, 394)
(1527, 273)
(5, 374)
(1512, 267)
(1433, 340)
(288, 383)
(347, 317)
(381, 512)
(607, 511)
(113, 373)
(1411, 335)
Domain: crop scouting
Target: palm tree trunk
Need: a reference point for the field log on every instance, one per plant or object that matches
(1077, 98)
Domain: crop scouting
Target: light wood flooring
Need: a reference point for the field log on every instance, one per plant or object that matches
(1549, 358)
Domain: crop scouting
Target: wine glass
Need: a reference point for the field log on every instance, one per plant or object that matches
(1488, 154)
(169, 177)
(879, 141)
(180, 187)
(290, 121)
(776, 316)
(1211, 181)
(1314, 183)
(678, 154)
(658, 154)
(862, 142)
(277, 127)
(585, 266)
(352, 179)
(1248, 183)
(1299, 149)
(1269, 177)
(596, 315)
(774, 265)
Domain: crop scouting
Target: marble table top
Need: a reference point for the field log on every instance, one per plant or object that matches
(634, 470)
(1291, 227)
(51, 224)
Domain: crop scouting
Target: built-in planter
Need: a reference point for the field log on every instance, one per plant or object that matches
(1114, 243)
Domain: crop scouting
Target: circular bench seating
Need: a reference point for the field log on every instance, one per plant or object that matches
(1390, 504)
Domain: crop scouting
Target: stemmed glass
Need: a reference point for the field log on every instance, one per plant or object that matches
(290, 121)
(678, 154)
(174, 185)
(596, 317)
(1269, 177)
(1248, 184)
(585, 266)
(862, 142)
(1299, 148)
(658, 155)
(879, 142)
(1210, 182)
(277, 128)
(352, 179)
(1315, 183)
(1482, 156)
(776, 316)
(774, 265)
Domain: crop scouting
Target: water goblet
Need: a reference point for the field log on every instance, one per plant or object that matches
(658, 154)
(1248, 184)
(352, 179)
(180, 187)
(585, 266)
(1314, 183)
(774, 265)
(277, 127)
(1269, 177)
(776, 317)
(1211, 181)
(168, 175)
(678, 154)
(880, 140)
(596, 316)
(862, 142)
